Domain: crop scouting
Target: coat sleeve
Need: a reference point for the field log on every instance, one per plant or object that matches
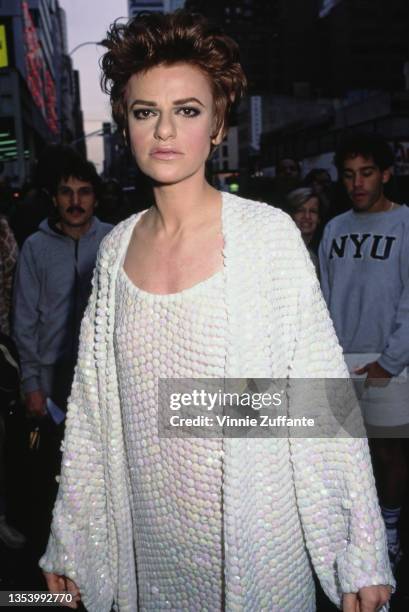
(395, 356)
(26, 316)
(323, 261)
(335, 487)
(78, 545)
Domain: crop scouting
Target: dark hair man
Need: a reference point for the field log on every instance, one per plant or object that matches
(52, 286)
(289, 167)
(364, 258)
(53, 280)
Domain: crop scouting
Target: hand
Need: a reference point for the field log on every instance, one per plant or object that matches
(377, 376)
(368, 599)
(61, 584)
(35, 404)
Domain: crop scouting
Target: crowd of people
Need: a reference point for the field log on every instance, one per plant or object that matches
(97, 305)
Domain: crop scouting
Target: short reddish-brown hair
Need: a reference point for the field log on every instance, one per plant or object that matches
(151, 39)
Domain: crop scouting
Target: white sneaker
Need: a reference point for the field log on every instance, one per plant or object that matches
(10, 536)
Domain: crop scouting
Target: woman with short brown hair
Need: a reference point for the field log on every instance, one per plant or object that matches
(202, 285)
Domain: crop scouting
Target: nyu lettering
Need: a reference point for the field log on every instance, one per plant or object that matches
(387, 247)
(374, 245)
(358, 242)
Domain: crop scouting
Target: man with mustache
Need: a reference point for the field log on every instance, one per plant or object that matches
(52, 286)
(53, 282)
(364, 258)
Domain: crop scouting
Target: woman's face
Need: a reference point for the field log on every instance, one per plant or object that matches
(170, 122)
(307, 218)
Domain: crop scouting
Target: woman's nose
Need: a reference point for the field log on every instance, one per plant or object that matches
(165, 127)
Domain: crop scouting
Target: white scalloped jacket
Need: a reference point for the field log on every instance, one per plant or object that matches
(279, 327)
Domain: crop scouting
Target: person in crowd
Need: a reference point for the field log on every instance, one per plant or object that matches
(287, 178)
(202, 284)
(52, 287)
(8, 259)
(364, 258)
(9, 536)
(35, 202)
(53, 282)
(320, 181)
(288, 167)
(305, 207)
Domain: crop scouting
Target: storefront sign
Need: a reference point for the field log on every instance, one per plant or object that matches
(39, 80)
(4, 58)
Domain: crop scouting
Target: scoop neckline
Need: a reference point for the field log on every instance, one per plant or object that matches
(163, 296)
(191, 289)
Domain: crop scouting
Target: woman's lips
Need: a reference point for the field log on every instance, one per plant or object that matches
(165, 154)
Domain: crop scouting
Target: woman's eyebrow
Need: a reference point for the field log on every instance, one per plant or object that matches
(143, 103)
(186, 101)
(175, 103)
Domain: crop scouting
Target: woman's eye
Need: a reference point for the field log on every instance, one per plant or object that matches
(189, 111)
(142, 113)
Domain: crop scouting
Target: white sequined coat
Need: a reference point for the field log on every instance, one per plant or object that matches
(278, 327)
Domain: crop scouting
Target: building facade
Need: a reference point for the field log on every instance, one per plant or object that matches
(314, 138)
(173, 5)
(152, 6)
(364, 46)
(161, 6)
(38, 89)
(351, 72)
(254, 25)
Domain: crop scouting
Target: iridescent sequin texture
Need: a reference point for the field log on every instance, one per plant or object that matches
(115, 490)
(176, 483)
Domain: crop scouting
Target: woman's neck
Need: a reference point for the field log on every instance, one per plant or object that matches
(183, 207)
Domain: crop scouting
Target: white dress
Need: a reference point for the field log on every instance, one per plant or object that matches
(278, 326)
(176, 483)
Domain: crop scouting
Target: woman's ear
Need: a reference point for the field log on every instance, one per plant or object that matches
(218, 138)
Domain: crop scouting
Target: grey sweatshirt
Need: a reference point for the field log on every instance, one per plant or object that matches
(364, 262)
(51, 290)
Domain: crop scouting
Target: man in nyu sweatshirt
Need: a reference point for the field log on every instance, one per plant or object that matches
(364, 262)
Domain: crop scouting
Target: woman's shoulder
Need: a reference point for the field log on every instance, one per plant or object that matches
(262, 232)
(251, 207)
(254, 218)
(113, 242)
